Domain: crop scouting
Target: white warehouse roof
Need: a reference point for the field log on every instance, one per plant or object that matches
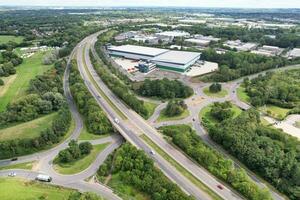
(148, 51)
(174, 34)
(177, 57)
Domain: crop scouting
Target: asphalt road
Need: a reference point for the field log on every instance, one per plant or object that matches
(135, 125)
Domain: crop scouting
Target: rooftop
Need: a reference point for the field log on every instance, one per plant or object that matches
(174, 33)
(178, 57)
(149, 51)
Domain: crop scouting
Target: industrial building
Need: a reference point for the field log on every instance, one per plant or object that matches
(178, 61)
(135, 52)
(240, 46)
(295, 53)
(268, 51)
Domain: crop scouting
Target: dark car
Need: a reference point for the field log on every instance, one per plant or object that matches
(220, 187)
(14, 159)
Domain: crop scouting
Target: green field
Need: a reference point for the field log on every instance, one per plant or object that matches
(85, 135)
(150, 107)
(4, 39)
(242, 95)
(26, 165)
(19, 189)
(81, 164)
(220, 94)
(27, 130)
(275, 111)
(125, 191)
(30, 68)
(162, 117)
(204, 113)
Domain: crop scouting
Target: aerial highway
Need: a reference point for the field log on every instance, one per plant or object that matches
(134, 126)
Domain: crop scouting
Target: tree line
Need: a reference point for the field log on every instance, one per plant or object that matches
(95, 119)
(281, 89)
(164, 89)
(138, 170)
(233, 65)
(188, 141)
(36, 103)
(8, 61)
(119, 88)
(269, 152)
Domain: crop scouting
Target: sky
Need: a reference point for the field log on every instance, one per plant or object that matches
(180, 3)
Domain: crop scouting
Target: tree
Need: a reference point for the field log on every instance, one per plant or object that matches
(85, 147)
(222, 111)
(175, 108)
(215, 87)
(1, 82)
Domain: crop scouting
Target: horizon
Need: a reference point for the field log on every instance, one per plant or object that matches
(238, 4)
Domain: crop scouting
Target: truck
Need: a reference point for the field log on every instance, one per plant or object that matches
(44, 178)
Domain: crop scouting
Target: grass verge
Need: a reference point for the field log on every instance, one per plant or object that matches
(81, 164)
(275, 111)
(27, 130)
(150, 107)
(181, 169)
(242, 95)
(220, 94)
(124, 190)
(26, 165)
(16, 189)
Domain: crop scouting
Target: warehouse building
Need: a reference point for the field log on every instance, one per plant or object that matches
(178, 61)
(135, 52)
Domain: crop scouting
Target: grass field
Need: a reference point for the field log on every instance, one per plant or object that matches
(150, 107)
(242, 95)
(27, 130)
(275, 111)
(125, 191)
(27, 165)
(81, 164)
(204, 113)
(19, 189)
(162, 117)
(85, 135)
(181, 169)
(4, 39)
(220, 94)
(30, 68)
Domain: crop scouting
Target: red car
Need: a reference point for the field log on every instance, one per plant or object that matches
(220, 187)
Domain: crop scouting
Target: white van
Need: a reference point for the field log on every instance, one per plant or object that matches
(42, 177)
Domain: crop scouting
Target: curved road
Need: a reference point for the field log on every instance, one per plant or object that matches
(45, 159)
